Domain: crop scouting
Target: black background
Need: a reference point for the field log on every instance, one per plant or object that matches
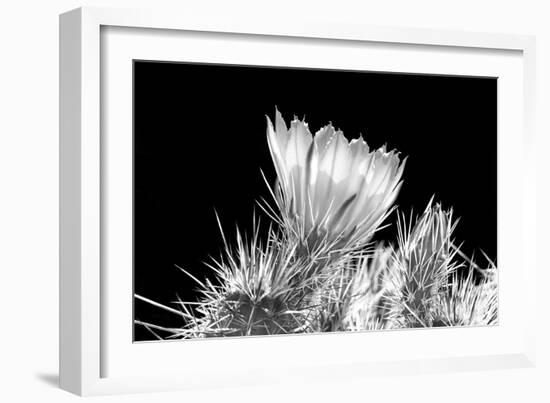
(199, 139)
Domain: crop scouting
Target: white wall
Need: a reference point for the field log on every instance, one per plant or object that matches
(28, 196)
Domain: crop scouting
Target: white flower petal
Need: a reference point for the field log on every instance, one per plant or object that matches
(335, 166)
(280, 125)
(277, 154)
(296, 152)
(323, 137)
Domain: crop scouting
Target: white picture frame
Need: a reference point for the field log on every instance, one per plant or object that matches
(97, 357)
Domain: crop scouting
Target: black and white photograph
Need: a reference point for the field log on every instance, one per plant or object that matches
(275, 200)
(289, 201)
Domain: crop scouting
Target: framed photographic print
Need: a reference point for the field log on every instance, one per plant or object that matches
(316, 197)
